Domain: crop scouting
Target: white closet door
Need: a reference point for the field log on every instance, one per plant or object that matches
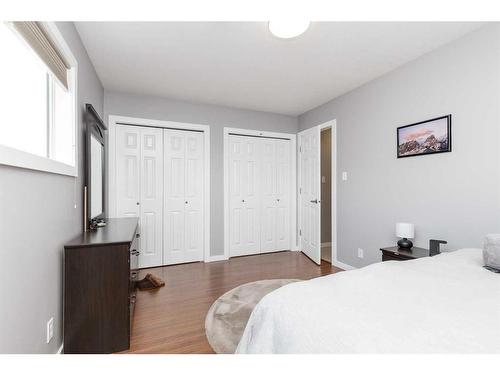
(244, 217)
(151, 202)
(193, 195)
(275, 190)
(268, 178)
(174, 210)
(309, 142)
(183, 211)
(128, 155)
(139, 185)
(283, 197)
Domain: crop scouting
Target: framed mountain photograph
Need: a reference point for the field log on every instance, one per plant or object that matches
(425, 137)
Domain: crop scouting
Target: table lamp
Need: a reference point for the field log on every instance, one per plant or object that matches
(405, 231)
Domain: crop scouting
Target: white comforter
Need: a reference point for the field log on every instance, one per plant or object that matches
(445, 304)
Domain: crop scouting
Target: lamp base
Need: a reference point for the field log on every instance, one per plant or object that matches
(405, 243)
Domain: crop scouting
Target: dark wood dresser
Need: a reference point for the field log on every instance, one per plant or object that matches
(100, 270)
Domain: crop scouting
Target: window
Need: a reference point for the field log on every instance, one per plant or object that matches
(37, 127)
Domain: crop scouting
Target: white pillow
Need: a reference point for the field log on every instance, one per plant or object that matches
(491, 251)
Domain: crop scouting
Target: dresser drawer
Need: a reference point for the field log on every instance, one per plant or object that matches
(391, 256)
(134, 253)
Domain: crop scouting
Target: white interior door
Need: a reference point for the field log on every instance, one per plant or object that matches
(128, 155)
(139, 185)
(283, 194)
(244, 210)
(310, 193)
(194, 196)
(268, 180)
(183, 211)
(275, 194)
(151, 202)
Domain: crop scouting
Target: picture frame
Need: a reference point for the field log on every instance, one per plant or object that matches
(424, 138)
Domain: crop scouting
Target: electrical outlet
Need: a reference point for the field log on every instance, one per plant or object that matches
(50, 329)
(344, 176)
(360, 253)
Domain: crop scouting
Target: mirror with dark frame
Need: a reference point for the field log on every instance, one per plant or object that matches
(95, 175)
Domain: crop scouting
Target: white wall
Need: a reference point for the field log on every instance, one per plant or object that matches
(37, 216)
(215, 116)
(453, 196)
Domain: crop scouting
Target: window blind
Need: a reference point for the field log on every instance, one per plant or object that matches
(35, 36)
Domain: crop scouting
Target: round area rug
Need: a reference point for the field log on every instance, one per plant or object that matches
(228, 316)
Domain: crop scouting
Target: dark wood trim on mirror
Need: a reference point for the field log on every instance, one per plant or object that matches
(94, 126)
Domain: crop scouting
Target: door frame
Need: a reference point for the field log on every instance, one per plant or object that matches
(115, 120)
(332, 124)
(293, 177)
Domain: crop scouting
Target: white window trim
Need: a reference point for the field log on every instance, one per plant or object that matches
(17, 158)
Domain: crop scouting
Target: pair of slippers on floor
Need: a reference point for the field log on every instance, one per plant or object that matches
(149, 282)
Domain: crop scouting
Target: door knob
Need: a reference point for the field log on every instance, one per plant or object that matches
(314, 201)
(137, 203)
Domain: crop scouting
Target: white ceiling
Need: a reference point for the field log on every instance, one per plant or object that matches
(240, 64)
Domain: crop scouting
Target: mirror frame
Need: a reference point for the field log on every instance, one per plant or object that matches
(95, 127)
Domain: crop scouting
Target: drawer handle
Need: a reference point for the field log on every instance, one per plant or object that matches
(137, 235)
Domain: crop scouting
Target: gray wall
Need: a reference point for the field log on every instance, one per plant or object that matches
(215, 116)
(453, 196)
(38, 216)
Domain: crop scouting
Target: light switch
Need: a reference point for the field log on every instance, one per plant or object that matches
(344, 176)
(323, 179)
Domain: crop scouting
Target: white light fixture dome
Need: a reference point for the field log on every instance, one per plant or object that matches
(288, 28)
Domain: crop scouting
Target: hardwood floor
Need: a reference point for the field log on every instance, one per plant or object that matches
(172, 319)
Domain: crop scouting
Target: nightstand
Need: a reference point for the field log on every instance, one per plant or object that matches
(395, 253)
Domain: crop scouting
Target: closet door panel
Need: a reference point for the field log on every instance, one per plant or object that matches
(244, 210)
(184, 196)
(151, 202)
(128, 163)
(174, 185)
(236, 195)
(282, 195)
(251, 188)
(194, 174)
(268, 194)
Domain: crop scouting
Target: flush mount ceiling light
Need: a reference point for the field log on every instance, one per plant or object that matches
(288, 28)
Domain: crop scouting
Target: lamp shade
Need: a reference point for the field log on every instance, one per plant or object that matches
(405, 230)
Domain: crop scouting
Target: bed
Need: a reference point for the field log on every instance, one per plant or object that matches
(445, 304)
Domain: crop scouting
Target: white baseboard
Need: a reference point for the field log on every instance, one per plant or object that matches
(60, 349)
(216, 258)
(326, 244)
(344, 266)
